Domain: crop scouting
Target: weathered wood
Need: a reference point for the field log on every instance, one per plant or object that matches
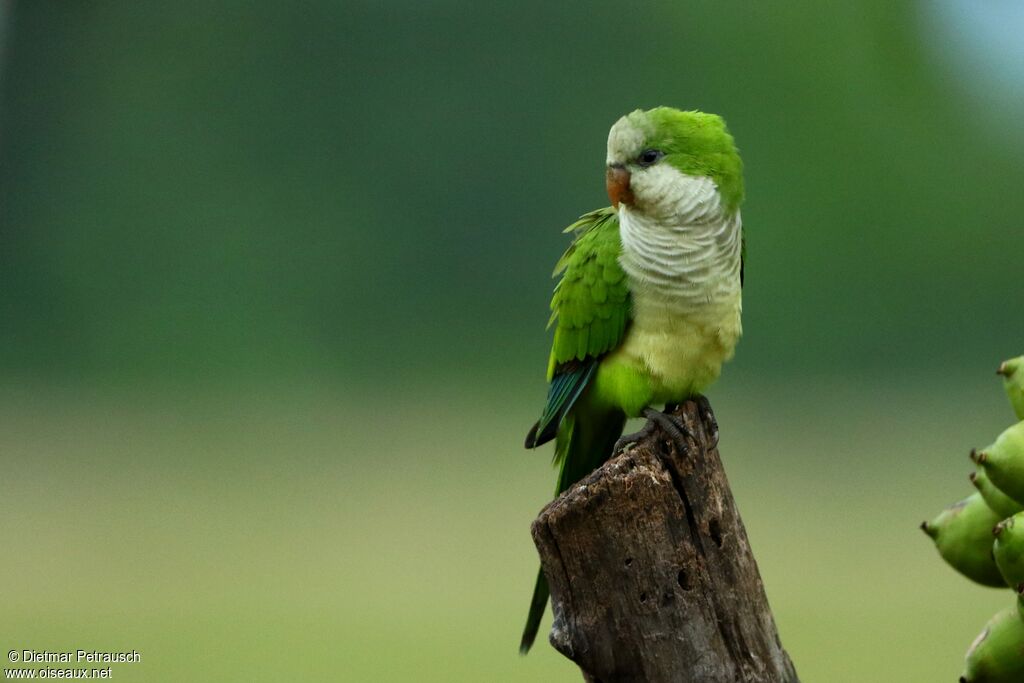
(652, 577)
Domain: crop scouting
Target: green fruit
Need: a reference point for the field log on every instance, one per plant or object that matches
(1008, 549)
(997, 654)
(1013, 381)
(1003, 462)
(963, 534)
(1001, 504)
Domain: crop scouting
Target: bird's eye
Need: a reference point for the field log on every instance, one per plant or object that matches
(648, 157)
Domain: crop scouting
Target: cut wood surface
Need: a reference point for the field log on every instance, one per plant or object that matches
(651, 574)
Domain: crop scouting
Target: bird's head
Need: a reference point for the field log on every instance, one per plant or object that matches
(653, 154)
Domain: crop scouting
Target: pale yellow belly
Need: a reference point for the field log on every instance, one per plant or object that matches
(680, 354)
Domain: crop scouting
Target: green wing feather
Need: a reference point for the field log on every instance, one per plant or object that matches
(590, 311)
(590, 306)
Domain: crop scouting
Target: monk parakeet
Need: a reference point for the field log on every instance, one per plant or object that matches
(648, 305)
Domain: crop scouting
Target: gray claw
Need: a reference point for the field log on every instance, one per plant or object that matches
(634, 438)
(675, 428)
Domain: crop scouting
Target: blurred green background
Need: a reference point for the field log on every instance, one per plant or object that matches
(273, 286)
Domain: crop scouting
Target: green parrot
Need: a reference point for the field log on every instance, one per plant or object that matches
(648, 305)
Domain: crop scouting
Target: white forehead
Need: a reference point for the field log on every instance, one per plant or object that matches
(625, 138)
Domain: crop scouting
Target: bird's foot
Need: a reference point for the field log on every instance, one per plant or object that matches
(634, 438)
(707, 416)
(673, 426)
(676, 429)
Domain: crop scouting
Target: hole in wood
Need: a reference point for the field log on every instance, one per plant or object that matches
(683, 580)
(643, 598)
(716, 531)
(629, 561)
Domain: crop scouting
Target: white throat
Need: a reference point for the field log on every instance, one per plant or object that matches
(683, 249)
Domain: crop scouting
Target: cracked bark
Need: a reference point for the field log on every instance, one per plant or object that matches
(652, 577)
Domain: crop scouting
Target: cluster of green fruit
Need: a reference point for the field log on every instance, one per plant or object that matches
(982, 537)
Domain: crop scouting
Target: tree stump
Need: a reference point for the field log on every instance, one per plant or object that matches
(651, 574)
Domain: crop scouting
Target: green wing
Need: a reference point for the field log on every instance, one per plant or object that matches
(591, 301)
(590, 310)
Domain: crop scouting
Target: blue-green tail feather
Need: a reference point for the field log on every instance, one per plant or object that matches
(582, 444)
(537, 605)
(565, 388)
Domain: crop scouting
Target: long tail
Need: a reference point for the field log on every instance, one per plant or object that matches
(583, 443)
(537, 605)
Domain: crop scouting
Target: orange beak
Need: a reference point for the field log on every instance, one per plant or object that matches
(616, 181)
